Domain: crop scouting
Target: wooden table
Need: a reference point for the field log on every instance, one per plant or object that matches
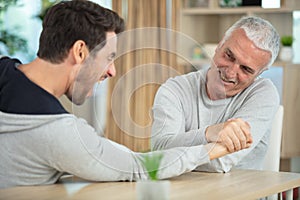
(237, 184)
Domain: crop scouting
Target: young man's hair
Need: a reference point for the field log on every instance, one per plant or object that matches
(69, 21)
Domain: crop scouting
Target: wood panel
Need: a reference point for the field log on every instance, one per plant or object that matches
(291, 102)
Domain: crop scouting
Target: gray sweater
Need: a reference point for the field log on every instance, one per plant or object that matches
(182, 111)
(38, 149)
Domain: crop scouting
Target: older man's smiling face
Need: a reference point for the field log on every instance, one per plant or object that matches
(236, 64)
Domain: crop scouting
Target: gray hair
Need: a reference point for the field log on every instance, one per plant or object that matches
(260, 32)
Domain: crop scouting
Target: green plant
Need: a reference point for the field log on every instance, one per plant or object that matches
(151, 162)
(287, 40)
(11, 41)
(46, 4)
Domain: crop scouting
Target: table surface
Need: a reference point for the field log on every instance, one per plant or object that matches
(237, 184)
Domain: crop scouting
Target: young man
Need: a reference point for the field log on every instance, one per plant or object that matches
(39, 140)
(228, 103)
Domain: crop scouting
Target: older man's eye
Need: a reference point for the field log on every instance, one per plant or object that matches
(248, 70)
(229, 56)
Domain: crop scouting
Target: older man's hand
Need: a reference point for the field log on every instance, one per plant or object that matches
(234, 134)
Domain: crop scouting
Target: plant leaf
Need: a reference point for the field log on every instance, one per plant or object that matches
(151, 162)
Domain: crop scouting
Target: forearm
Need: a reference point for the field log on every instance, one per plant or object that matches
(179, 160)
(174, 125)
(217, 150)
(164, 140)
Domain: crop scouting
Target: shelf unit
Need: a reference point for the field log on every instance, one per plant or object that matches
(207, 25)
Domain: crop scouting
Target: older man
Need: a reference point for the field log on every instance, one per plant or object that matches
(228, 103)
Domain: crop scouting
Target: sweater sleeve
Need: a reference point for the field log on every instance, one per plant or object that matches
(170, 111)
(80, 151)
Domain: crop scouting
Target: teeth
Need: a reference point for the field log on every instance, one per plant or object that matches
(223, 78)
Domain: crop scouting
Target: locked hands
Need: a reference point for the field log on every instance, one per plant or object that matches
(234, 134)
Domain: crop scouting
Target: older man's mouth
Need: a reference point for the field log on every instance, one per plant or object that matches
(224, 79)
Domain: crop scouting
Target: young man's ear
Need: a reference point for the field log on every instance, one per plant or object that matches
(80, 51)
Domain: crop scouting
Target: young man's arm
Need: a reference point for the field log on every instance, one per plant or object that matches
(80, 151)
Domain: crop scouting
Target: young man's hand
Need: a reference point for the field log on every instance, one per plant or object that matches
(217, 150)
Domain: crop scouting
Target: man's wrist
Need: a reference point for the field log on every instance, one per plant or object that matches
(216, 150)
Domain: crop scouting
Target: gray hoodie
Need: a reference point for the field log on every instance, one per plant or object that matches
(38, 149)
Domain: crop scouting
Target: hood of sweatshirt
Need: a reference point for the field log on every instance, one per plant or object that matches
(19, 95)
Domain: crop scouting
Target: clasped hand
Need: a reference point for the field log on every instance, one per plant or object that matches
(234, 134)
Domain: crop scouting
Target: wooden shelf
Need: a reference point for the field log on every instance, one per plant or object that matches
(204, 61)
(231, 11)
